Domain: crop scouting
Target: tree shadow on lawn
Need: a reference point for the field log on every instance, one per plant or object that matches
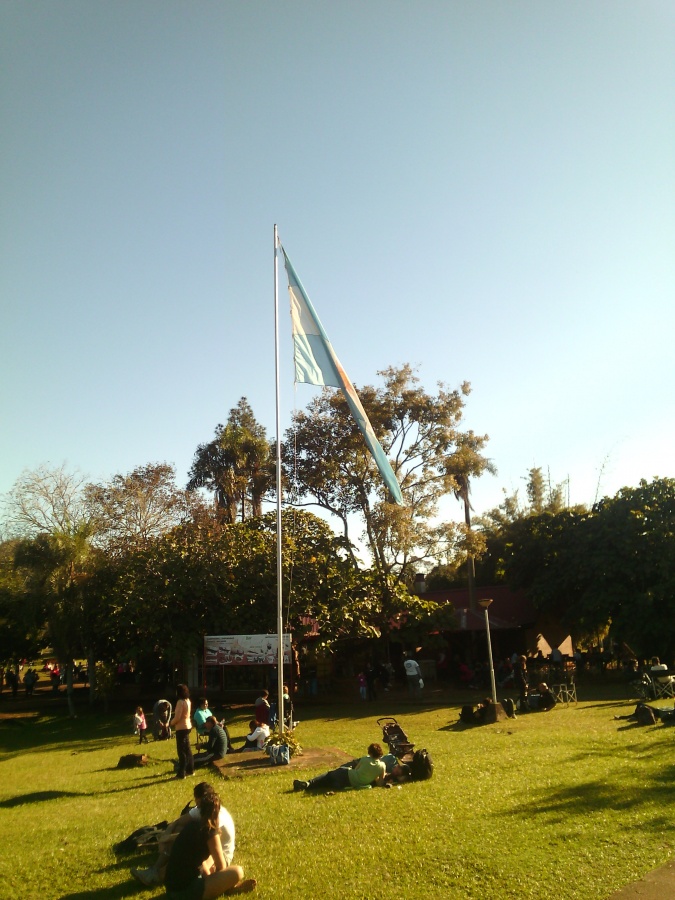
(114, 892)
(39, 797)
(45, 796)
(84, 734)
(127, 888)
(563, 806)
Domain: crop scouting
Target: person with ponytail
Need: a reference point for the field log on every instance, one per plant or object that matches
(196, 869)
(182, 724)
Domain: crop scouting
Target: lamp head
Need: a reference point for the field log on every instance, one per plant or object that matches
(485, 602)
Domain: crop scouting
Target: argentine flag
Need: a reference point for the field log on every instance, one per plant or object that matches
(316, 363)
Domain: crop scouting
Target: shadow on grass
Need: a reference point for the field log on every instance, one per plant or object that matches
(115, 892)
(38, 797)
(127, 888)
(575, 801)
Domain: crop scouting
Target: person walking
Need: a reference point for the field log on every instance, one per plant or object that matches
(413, 676)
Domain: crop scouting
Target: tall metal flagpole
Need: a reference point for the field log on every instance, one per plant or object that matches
(280, 617)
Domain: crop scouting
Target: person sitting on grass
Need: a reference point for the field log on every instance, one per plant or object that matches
(196, 869)
(256, 737)
(216, 746)
(546, 698)
(154, 875)
(358, 774)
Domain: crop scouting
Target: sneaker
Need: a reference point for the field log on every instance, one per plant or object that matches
(300, 785)
(147, 877)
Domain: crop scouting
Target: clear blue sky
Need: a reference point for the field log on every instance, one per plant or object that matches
(485, 189)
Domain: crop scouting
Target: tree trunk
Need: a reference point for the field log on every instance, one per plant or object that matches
(69, 690)
(91, 675)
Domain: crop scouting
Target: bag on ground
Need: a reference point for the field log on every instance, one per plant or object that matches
(147, 836)
(132, 760)
(422, 766)
(279, 754)
(466, 715)
(645, 716)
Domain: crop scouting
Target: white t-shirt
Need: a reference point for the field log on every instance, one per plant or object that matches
(226, 823)
(260, 735)
(412, 670)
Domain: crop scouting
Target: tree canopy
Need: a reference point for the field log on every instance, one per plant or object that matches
(237, 466)
(612, 565)
(326, 464)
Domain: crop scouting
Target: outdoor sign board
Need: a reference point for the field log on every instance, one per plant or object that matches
(244, 649)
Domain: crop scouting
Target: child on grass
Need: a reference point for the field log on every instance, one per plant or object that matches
(140, 726)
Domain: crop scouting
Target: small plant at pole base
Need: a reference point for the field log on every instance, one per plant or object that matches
(285, 737)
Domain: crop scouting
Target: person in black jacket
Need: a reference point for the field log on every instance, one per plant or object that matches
(217, 743)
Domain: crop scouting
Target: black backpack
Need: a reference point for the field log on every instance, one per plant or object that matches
(467, 715)
(148, 836)
(422, 766)
(509, 708)
(645, 716)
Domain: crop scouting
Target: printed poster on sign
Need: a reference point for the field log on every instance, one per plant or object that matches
(245, 649)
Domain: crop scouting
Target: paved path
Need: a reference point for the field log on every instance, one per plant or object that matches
(656, 885)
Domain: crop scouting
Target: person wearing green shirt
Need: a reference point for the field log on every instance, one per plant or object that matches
(361, 773)
(200, 715)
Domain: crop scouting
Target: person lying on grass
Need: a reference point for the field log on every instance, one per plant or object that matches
(665, 714)
(155, 874)
(358, 774)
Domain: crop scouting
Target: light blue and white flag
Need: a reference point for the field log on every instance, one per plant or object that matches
(316, 363)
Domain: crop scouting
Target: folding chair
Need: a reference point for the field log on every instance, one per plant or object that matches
(559, 691)
(566, 691)
(664, 685)
(571, 690)
(643, 687)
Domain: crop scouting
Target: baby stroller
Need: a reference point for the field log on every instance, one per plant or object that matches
(161, 716)
(395, 738)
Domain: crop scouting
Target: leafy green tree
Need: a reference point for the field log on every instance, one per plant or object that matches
(54, 558)
(237, 465)
(56, 567)
(613, 565)
(206, 577)
(632, 554)
(327, 463)
(22, 617)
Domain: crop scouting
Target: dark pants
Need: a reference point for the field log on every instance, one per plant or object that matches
(186, 764)
(331, 781)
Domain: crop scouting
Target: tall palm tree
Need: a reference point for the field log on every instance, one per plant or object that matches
(237, 465)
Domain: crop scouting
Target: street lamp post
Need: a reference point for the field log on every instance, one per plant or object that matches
(485, 603)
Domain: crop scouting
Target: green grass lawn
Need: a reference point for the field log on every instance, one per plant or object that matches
(565, 804)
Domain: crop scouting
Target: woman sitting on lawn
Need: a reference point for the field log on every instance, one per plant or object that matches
(196, 869)
(258, 734)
